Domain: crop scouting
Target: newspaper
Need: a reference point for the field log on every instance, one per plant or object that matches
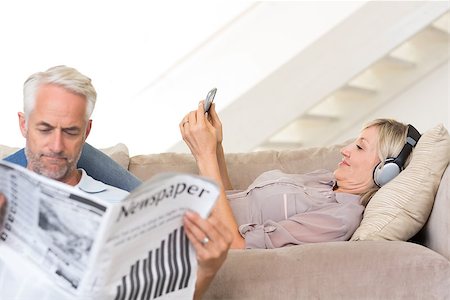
(58, 242)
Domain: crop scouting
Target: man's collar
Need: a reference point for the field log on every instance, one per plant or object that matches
(90, 185)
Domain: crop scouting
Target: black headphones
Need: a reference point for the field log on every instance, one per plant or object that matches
(383, 173)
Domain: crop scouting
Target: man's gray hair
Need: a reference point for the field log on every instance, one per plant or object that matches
(68, 78)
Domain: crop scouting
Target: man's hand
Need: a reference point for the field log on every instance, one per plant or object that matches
(211, 240)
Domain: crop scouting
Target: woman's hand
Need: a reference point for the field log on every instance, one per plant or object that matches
(211, 240)
(199, 134)
(213, 118)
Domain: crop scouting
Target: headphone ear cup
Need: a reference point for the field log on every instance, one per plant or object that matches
(382, 174)
(376, 171)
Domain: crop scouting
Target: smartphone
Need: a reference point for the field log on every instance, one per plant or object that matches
(209, 99)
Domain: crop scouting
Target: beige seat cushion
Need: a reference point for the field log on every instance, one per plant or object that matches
(401, 207)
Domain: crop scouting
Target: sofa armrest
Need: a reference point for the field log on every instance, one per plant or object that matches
(436, 232)
(334, 270)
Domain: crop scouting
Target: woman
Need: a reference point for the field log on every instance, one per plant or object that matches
(328, 205)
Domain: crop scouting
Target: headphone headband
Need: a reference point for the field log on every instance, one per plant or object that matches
(412, 138)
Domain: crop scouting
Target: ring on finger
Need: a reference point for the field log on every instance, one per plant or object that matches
(205, 241)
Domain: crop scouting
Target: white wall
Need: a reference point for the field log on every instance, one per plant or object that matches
(424, 104)
(162, 105)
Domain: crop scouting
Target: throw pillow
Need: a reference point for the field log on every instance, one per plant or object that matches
(401, 207)
(118, 153)
(6, 150)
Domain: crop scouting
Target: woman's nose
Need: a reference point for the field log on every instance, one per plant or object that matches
(345, 151)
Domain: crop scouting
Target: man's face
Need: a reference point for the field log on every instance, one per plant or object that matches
(55, 133)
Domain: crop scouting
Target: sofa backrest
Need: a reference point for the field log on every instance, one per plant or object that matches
(436, 232)
(243, 168)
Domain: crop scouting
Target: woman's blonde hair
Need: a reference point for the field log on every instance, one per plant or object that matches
(391, 139)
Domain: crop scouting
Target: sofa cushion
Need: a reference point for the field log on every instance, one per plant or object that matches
(334, 270)
(401, 207)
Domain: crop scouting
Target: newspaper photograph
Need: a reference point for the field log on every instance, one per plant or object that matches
(71, 245)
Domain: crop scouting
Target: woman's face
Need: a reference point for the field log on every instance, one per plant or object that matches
(355, 171)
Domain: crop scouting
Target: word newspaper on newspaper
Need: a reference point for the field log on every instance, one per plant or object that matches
(58, 242)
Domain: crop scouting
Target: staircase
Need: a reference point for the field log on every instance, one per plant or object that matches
(373, 88)
(330, 87)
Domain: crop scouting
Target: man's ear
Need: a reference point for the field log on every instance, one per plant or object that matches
(88, 128)
(22, 124)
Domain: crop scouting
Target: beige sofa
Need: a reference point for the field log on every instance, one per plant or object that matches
(336, 270)
(376, 269)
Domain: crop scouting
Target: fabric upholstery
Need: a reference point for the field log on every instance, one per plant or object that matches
(438, 225)
(146, 166)
(243, 168)
(334, 270)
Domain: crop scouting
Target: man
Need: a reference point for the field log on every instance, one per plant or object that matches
(56, 121)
